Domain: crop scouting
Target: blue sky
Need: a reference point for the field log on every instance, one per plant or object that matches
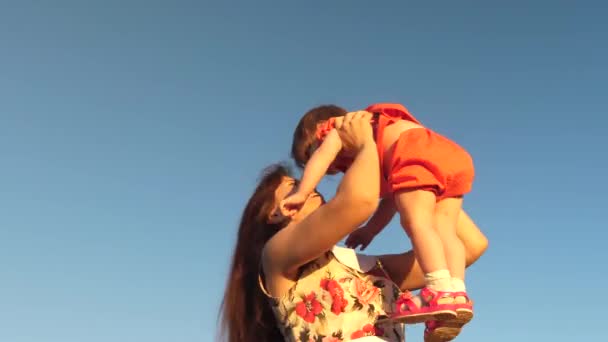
(132, 133)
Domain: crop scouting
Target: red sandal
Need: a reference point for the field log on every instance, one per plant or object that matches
(442, 331)
(406, 310)
(464, 311)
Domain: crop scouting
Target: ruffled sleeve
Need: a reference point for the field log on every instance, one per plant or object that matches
(392, 111)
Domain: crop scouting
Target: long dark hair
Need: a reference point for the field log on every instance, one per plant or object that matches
(246, 315)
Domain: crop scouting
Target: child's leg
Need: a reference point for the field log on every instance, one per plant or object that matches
(445, 220)
(417, 210)
(447, 212)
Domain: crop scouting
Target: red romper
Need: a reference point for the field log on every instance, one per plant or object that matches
(420, 160)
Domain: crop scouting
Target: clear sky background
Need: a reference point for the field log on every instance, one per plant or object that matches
(132, 133)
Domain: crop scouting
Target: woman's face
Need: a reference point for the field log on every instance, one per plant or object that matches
(288, 184)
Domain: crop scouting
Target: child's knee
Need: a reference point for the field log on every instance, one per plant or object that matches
(445, 225)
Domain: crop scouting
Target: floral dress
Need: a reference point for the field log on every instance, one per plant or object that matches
(333, 302)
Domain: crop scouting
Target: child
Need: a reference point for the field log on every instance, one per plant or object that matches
(424, 178)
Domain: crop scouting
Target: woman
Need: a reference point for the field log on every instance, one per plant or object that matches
(288, 282)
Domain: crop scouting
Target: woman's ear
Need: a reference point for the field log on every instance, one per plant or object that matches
(275, 215)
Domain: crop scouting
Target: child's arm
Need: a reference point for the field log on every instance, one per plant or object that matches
(383, 215)
(319, 162)
(315, 169)
(364, 235)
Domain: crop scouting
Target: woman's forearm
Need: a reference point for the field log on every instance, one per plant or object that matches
(360, 184)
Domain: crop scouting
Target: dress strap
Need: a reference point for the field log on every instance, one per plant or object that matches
(261, 282)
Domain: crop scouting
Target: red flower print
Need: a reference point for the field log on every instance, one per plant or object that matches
(331, 339)
(309, 308)
(367, 330)
(338, 303)
(332, 286)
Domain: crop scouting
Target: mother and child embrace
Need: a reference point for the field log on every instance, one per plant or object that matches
(290, 282)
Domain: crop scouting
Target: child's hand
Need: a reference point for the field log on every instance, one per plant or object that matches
(362, 236)
(293, 202)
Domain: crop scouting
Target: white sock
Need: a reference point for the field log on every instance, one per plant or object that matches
(458, 285)
(439, 280)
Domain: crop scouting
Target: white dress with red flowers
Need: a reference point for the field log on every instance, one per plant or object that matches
(335, 300)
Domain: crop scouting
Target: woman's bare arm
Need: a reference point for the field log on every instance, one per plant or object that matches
(355, 200)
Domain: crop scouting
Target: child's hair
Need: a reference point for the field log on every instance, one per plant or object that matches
(305, 134)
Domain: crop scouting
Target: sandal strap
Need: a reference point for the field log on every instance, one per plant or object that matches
(406, 299)
(462, 294)
(430, 297)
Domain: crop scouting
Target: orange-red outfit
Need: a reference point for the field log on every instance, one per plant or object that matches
(420, 160)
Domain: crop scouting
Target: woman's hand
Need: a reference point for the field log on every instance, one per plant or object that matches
(355, 131)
